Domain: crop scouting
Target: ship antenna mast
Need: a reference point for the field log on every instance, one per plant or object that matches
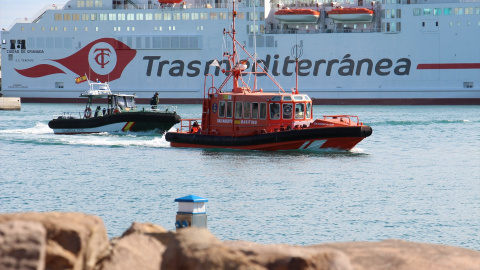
(297, 52)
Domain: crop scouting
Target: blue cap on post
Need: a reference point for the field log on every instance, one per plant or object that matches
(191, 198)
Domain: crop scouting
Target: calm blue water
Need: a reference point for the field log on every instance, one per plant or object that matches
(416, 178)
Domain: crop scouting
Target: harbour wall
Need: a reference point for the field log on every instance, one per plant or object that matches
(10, 103)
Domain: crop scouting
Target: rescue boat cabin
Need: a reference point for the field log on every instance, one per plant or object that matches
(239, 114)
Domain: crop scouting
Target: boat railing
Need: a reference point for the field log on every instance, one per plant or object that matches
(163, 108)
(187, 124)
(348, 119)
(69, 115)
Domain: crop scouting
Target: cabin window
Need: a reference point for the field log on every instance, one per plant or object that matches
(121, 103)
(274, 111)
(287, 111)
(447, 11)
(238, 109)
(263, 110)
(287, 98)
(130, 102)
(254, 110)
(276, 98)
(309, 110)
(299, 110)
(246, 110)
(221, 109)
(229, 109)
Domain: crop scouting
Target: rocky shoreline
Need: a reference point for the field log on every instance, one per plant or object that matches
(54, 240)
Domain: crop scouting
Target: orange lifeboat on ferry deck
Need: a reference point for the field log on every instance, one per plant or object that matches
(169, 1)
(297, 15)
(350, 14)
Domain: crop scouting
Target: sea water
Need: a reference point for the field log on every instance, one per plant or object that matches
(417, 178)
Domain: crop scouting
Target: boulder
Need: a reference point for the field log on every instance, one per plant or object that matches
(404, 255)
(134, 251)
(22, 245)
(289, 257)
(143, 228)
(196, 248)
(74, 240)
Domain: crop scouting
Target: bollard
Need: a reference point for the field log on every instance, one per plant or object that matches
(191, 212)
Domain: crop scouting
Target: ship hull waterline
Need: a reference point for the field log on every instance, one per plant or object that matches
(121, 122)
(313, 139)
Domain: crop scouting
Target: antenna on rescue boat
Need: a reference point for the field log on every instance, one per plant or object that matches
(297, 52)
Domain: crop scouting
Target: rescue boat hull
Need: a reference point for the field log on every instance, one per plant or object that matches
(310, 139)
(129, 121)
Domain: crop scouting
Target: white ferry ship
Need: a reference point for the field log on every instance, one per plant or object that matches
(351, 52)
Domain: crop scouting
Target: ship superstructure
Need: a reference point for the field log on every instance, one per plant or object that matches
(353, 52)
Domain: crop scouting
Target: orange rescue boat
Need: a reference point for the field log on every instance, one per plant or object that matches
(350, 14)
(242, 117)
(299, 15)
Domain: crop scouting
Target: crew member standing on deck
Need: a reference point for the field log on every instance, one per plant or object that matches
(154, 101)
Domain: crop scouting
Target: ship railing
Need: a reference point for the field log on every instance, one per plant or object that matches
(187, 124)
(69, 115)
(163, 108)
(348, 119)
(37, 16)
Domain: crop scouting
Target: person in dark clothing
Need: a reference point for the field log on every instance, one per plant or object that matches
(154, 101)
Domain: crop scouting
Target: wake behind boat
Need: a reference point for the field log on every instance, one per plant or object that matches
(119, 113)
(245, 117)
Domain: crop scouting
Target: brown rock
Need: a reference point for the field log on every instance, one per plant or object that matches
(403, 255)
(143, 228)
(22, 245)
(283, 257)
(196, 248)
(134, 251)
(74, 240)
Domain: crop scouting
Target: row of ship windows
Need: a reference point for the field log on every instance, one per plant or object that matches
(249, 16)
(164, 42)
(122, 4)
(251, 29)
(397, 26)
(255, 110)
(445, 11)
(89, 3)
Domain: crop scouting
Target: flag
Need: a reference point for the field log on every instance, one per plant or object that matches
(81, 79)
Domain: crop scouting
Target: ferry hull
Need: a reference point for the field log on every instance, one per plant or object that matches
(313, 139)
(417, 60)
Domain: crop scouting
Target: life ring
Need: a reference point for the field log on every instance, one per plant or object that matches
(88, 113)
(116, 110)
